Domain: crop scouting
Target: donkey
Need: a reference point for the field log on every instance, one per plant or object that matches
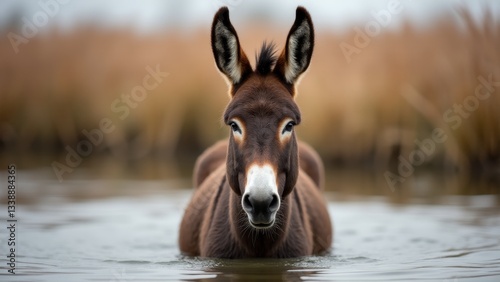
(259, 194)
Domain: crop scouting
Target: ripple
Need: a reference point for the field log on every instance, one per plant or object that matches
(372, 242)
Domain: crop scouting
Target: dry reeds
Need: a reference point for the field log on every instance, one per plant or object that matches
(397, 90)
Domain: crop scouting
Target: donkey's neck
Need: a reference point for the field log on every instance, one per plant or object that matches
(259, 242)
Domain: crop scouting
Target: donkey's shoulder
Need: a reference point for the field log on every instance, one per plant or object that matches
(198, 210)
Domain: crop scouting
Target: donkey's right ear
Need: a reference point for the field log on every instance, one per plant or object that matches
(229, 57)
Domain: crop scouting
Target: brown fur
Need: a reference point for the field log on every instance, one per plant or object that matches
(216, 222)
(207, 220)
(214, 156)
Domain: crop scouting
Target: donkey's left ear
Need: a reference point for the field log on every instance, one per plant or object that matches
(296, 56)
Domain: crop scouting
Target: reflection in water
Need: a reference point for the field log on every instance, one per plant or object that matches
(126, 230)
(259, 270)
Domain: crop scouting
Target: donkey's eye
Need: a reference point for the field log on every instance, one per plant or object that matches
(235, 127)
(288, 127)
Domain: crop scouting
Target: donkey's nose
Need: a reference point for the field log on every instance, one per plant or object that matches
(259, 205)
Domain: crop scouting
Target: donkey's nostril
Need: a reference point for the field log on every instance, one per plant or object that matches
(275, 203)
(255, 205)
(247, 205)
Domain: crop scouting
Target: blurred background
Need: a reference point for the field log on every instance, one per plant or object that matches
(386, 77)
(105, 105)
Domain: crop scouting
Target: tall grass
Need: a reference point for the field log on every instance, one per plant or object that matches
(369, 111)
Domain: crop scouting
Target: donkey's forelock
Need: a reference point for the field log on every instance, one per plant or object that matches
(266, 58)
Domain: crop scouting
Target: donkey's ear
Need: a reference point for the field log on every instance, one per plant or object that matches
(229, 57)
(296, 55)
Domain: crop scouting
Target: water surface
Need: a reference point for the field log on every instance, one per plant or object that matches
(126, 230)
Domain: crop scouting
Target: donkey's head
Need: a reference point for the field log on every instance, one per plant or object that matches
(262, 159)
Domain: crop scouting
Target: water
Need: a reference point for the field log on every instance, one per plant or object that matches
(126, 230)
